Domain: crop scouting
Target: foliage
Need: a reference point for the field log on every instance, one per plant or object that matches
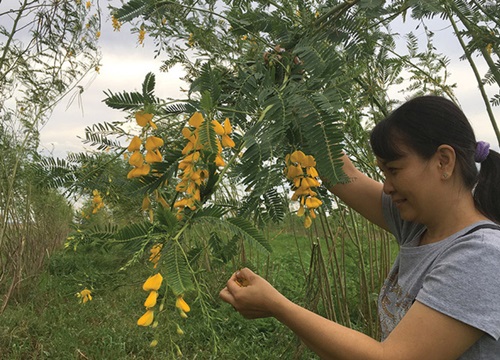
(285, 76)
(46, 49)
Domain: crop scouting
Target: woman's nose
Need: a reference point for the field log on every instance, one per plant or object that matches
(388, 188)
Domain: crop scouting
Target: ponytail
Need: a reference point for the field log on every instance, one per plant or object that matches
(487, 189)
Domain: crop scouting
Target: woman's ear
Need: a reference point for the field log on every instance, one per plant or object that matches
(446, 157)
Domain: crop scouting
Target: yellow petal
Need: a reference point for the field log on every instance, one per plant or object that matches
(143, 170)
(301, 211)
(312, 172)
(153, 343)
(294, 171)
(136, 159)
(228, 129)
(311, 182)
(219, 130)
(153, 283)
(307, 222)
(146, 203)
(309, 161)
(151, 299)
(146, 319)
(143, 118)
(153, 125)
(135, 144)
(298, 157)
(219, 161)
(153, 156)
(227, 141)
(153, 143)
(313, 202)
(196, 120)
(189, 146)
(181, 304)
(188, 134)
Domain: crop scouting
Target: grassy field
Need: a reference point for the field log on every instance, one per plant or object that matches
(47, 321)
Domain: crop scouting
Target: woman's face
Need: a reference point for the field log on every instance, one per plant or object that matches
(412, 184)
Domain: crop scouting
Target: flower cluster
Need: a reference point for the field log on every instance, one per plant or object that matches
(140, 162)
(155, 254)
(300, 169)
(193, 167)
(85, 295)
(97, 203)
(152, 284)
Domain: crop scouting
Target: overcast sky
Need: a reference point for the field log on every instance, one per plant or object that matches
(125, 63)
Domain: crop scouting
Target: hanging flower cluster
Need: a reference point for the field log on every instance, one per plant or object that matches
(300, 169)
(85, 295)
(194, 170)
(152, 284)
(155, 254)
(97, 203)
(140, 162)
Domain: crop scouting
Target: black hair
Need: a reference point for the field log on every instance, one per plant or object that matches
(426, 122)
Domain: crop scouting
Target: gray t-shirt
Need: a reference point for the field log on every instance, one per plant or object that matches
(458, 276)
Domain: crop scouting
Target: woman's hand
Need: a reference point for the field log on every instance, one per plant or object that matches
(251, 295)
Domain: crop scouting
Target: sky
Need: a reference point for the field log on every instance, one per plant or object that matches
(125, 63)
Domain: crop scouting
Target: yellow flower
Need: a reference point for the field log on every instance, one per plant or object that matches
(155, 253)
(307, 222)
(196, 120)
(135, 144)
(85, 294)
(88, 4)
(153, 143)
(153, 156)
(151, 299)
(146, 319)
(98, 34)
(116, 24)
(153, 283)
(139, 171)
(143, 118)
(142, 35)
(146, 203)
(154, 343)
(219, 129)
(313, 202)
(298, 157)
(136, 159)
(181, 304)
(294, 171)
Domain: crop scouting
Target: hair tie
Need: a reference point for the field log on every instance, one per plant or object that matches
(482, 151)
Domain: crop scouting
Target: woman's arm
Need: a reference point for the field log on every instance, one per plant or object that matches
(422, 334)
(361, 193)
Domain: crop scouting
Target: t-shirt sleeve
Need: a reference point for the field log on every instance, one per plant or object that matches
(464, 282)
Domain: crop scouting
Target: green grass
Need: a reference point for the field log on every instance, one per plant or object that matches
(46, 320)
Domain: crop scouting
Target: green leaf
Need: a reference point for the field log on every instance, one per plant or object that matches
(148, 86)
(177, 270)
(245, 229)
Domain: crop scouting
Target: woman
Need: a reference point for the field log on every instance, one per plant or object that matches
(441, 299)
